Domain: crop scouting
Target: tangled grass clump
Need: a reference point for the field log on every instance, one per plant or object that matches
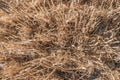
(59, 39)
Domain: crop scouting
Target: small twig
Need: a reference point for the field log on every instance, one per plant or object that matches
(50, 74)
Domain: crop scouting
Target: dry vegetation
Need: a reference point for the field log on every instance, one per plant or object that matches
(59, 39)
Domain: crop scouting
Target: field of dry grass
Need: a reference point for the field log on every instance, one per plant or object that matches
(59, 39)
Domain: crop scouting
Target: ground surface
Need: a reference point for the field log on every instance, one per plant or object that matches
(59, 39)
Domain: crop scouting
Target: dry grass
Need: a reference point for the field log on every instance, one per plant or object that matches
(59, 39)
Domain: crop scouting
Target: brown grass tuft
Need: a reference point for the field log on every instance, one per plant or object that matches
(59, 39)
